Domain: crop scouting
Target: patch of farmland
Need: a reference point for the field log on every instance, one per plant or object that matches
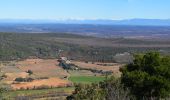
(51, 82)
(86, 79)
(10, 95)
(46, 73)
(12, 76)
(82, 73)
(42, 68)
(114, 67)
(10, 68)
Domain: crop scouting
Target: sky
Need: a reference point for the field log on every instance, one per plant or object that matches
(84, 9)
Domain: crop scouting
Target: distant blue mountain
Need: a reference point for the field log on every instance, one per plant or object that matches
(155, 22)
(153, 28)
(148, 22)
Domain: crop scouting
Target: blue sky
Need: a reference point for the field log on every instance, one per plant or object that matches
(84, 9)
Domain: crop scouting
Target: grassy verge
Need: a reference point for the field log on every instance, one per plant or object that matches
(86, 79)
(12, 94)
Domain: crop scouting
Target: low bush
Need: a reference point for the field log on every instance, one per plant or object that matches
(20, 79)
(30, 72)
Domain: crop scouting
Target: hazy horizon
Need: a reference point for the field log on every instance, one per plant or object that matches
(84, 19)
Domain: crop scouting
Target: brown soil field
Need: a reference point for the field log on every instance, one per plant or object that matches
(51, 82)
(12, 76)
(82, 73)
(114, 66)
(49, 68)
(42, 68)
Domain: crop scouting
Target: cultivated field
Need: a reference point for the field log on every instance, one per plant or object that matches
(87, 79)
(10, 77)
(51, 82)
(114, 67)
(40, 94)
(50, 77)
(46, 73)
(42, 68)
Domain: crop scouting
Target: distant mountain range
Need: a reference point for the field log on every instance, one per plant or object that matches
(143, 22)
(134, 28)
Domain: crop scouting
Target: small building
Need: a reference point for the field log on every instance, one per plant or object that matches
(64, 59)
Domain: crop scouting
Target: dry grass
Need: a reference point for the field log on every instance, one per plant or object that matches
(51, 82)
(12, 76)
(114, 66)
(49, 68)
(42, 68)
(82, 73)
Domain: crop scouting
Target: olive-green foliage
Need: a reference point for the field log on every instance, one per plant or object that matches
(48, 45)
(109, 89)
(45, 45)
(148, 76)
(2, 90)
(30, 72)
(86, 79)
(87, 92)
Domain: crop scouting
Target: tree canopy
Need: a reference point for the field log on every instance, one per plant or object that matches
(148, 76)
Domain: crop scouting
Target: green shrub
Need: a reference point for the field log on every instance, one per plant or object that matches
(30, 72)
(110, 89)
(148, 76)
(20, 79)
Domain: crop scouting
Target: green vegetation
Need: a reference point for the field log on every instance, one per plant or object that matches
(148, 76)
(66, 66)
(52, 45)
(110, 89)
(13, 94)
(20, 79)
(1, 91)
(30, 72)
(21, 46)
(86, 79)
